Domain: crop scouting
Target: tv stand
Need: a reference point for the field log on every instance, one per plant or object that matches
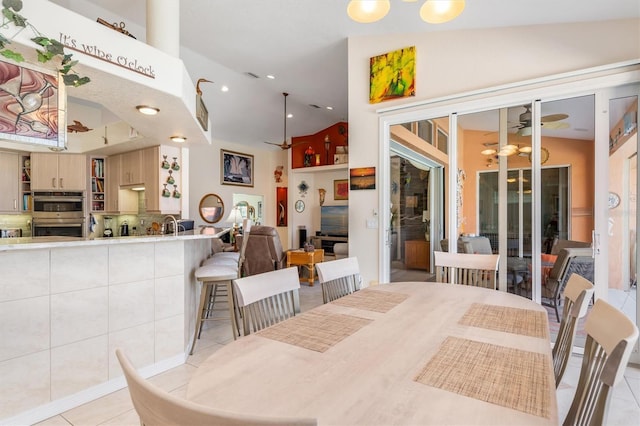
(326, 242)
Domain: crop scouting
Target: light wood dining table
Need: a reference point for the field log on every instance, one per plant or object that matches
(413, 353)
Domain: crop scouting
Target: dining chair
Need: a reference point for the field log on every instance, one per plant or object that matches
(158, 408)
(268, 298)
(477, 270)
(570, 260)
(339, 278)
(611, 336)
(577, 295)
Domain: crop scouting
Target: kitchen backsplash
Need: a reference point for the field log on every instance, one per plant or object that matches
(13, 221)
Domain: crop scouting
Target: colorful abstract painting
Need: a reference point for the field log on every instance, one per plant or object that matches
(392, 75)
(30, 106)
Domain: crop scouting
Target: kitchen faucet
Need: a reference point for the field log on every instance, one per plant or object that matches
(173, 220)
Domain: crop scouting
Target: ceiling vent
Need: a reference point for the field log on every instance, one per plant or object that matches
(314, 106)
(250, 74)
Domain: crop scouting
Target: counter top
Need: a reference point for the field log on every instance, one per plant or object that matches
(29, 243)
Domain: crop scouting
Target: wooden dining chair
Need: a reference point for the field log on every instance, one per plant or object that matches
(577, 295)
(268, 298)
(159, 408)
(477, 270)
(611, 336)
(338, 278)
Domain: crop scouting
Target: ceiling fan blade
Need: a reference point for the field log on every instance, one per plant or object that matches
(272, 143)
(555, 125)
(553, 117)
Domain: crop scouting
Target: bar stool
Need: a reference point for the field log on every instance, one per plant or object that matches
(211, 278)
(216, 280)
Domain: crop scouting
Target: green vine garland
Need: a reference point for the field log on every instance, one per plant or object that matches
(49, 48)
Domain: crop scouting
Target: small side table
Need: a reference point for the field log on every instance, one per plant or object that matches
(306, 259)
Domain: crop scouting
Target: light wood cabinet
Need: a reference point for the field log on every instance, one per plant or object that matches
(118, 200)
(10, 182)
(58, 172)
(131, 171)
(161, 195)
(417, 254)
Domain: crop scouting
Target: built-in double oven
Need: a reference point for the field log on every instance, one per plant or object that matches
(58, 214)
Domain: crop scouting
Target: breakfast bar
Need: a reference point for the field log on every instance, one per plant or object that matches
(67, 303)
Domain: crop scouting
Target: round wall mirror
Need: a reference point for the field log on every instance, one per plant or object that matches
(211, 208)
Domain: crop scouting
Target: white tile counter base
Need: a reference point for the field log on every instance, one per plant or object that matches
(64, 308)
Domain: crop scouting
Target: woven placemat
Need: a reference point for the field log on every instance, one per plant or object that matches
(317, 331)
(508, 377)
(372, 300)
(510, 320)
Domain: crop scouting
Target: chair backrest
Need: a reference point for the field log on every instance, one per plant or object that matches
(563, 244)
(569, 261)
(611, 336)
(577, 295)
(157, 407)
(468, 269)
(247, 226)
(475, 245)
(264, 251)
(268, 298)
(338, 278)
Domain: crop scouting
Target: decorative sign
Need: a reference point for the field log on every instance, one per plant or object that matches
(98, 52)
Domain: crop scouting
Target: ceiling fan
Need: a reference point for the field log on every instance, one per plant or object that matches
(284, 145)
(551, 121)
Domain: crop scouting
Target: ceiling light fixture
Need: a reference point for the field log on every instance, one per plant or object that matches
(271, 77)
(178, 139)
(147, 110)
(432, 11)
(224, 89)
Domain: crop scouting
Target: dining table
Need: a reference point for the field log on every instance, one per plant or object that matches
(410, 353)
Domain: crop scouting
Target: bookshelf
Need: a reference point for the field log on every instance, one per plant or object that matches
(25, 182)
(97, 184)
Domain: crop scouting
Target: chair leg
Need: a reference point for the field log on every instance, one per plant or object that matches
(555, 306)
(196, 331)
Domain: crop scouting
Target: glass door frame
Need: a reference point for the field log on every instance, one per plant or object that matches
(586, 82)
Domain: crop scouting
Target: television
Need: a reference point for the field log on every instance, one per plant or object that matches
(334, 221)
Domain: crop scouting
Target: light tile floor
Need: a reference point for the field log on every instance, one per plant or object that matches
(116, 408)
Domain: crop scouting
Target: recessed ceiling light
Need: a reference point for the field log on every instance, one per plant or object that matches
(224, 88)
(147, 110)
(289, 115)
(178, 139)
(330, 108)
(271, 77)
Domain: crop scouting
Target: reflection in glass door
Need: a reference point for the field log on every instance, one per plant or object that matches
(622, 220)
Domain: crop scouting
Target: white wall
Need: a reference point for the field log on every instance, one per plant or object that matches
(204, 178)
(452, 62)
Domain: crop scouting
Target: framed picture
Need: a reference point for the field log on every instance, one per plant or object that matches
(201, 113)
(363, 178)
(281, 201)
(40, 121)
(384, 70)
(341, 189)
(236, 168)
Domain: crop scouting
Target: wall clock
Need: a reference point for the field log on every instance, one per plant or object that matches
(614, 200)
(544, 155)
(299, 206)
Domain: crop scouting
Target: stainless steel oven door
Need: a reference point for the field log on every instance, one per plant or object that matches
(58, 204)
(58, 228)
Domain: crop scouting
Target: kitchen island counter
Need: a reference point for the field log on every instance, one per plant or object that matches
(31, 243)
(67, 303)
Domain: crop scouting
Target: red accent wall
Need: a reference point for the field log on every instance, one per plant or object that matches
(316, 141)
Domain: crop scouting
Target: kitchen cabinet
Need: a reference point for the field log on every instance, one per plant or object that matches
(118, 200)
(58, 172)
(131, 168)
(162, 167)
(10, 184)
(417, 254)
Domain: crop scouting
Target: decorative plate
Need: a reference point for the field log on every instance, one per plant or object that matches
(299, 206)
(303, 188)
(544, 155)
(614, 200)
